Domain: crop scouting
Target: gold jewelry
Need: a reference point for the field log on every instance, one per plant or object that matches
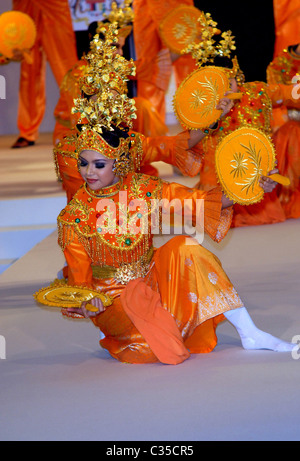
(109, 191)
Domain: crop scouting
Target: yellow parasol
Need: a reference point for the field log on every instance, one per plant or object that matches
(241, 158)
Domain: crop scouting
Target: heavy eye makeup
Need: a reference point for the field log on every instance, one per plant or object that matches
(98, 164)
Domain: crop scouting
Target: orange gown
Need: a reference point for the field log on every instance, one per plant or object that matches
(287, 23)
(287, 131)
(55, 42)
(174, 297)
(169, 149)
(253, 109)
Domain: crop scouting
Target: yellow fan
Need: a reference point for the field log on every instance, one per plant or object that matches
(198, 95)
(180, 27)
(241, 158)
(17, 31)
(59, 294)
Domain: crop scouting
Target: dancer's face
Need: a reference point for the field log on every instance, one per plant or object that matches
(96, 170)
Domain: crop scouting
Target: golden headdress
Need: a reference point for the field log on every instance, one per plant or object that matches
(207, 48)
(107, 107)
(197, 97)
(123, 16)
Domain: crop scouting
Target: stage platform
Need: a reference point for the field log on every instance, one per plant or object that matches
(58, 384)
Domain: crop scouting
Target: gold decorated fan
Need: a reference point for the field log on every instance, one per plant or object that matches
(59, 294)
(241, 158)
(180, 27)
(198, 95)
(17, 31)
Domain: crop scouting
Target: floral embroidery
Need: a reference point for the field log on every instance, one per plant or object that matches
(213, 278)
(188, 262)
(192, 297)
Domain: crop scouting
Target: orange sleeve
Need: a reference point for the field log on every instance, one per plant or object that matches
(173, 150)
(79, 263)
(215, 220)
(283, 95)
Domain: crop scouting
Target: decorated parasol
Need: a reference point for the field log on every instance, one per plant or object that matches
(198, 95)
(241, 158)
(17, 32)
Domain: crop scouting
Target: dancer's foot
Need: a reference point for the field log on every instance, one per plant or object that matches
(253, 338)
(22, 142)
(262, 340)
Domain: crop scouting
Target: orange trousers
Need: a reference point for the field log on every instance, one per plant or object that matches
(56, 43)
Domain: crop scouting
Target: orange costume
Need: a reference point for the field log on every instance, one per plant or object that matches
(287, 130)
(169, 149)
(148, 44)
(174, 296)
(254, 109)
(287, 23)
(56, 42)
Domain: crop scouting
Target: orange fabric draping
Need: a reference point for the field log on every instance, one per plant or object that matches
(148, 44)
(55, 42)
(254, 109)
(286, 129)
(284, 67)
(182, 296)
(287, 24)
(287, 144)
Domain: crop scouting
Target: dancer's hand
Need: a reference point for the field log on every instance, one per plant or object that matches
(267, 183)
(225, 105)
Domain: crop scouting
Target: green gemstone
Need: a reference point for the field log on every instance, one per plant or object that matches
(128, 241)
(139, 215)
(77, 220)
(148, 194)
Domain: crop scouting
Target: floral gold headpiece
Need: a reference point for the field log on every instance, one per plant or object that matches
(206, 49)
(123, 16)
(105, 78)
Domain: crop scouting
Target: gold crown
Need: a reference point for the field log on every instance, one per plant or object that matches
(89, 139)
(106, 77)
(206, 49)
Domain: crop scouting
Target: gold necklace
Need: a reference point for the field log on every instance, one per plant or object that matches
(99, 194)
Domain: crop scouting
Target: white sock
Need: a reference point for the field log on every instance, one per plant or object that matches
(251, 336)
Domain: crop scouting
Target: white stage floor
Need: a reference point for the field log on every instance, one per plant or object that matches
(58, 384)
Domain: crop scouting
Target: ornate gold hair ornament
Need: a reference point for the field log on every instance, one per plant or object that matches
(206, 49)
(123, 15)
(105, 78)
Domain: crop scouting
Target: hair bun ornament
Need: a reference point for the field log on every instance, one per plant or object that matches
(17, 31)
(241, 158)
(180, 27)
